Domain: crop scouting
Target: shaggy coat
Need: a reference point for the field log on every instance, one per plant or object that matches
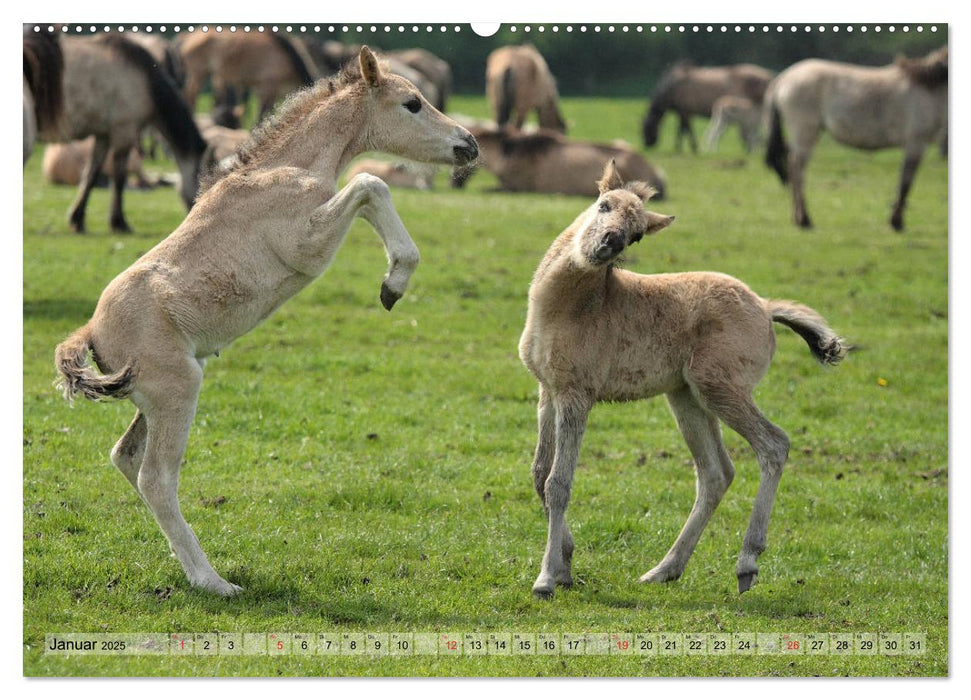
(598, 333)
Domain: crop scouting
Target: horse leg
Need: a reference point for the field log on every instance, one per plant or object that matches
(88, 178)
(543, 464)
(714, 475)
(715, 130)
(686, 127)
(128, 452)
(912, 159)
(771, 445)
(119, 176)
(168, 401)
(797, 168)
(369, 197)
(570, 423)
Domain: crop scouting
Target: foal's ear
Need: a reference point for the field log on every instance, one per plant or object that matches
(370, 71)
(655, 222)
(641, 189)
(611, 179)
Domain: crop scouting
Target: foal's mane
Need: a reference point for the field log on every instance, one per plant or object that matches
(284, 120)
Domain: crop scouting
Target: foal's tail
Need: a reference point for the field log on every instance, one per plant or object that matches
(827, 347)
(777, 152)
(78, 377)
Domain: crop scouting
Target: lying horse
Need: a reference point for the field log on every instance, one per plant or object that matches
(692, 91)
(598, 333)
(902, 104)
(113, 88)
(432, 67)
(546, 161)
(64, 164)
(263, 229)
(519, 81)
(403, 175)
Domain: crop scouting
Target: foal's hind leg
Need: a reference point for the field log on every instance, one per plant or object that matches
(714, 473)
(169, 402)
(88, 178)
(542, 465)
(128, 452)
(771, 445)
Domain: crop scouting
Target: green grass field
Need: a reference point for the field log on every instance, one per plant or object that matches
(357, 470)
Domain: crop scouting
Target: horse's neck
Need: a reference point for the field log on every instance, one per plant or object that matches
(324, 143)
(561, 282)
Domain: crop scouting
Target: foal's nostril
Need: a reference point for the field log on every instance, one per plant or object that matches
(467, 152)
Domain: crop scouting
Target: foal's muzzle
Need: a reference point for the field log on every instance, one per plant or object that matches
(610, 246)
(467, 152)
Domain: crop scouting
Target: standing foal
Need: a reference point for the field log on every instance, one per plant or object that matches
(597, 333)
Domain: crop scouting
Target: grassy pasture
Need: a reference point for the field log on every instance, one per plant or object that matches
(357, 470)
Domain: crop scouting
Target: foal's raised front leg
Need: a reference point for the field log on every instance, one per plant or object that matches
(368, 196)
(570, 422)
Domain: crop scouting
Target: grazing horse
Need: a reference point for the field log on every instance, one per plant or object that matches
(270, 64)
(547, 161)
(598, 333)
(43, 89)
(902, 104)
(730, 110)
(263, 229)
(692, 91)
(113, 89)
(519, 81)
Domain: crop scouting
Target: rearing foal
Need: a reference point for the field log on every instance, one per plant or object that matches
(597, 333)
(258, 235)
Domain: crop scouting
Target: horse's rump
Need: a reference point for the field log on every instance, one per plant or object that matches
(44, 73)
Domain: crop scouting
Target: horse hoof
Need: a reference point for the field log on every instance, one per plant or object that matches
(745, 581)
(544, 587)
(388, 298)
(659, 575)
(897, 222)
(543, 593)
(219, 586)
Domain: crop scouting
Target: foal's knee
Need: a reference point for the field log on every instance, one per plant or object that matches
(557, 494)
(775, 450)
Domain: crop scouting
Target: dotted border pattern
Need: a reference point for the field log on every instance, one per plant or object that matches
(526, 29)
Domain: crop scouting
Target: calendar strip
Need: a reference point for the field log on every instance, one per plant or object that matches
(469, 644)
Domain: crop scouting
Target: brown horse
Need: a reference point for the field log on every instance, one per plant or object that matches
(270, 64)
(547, 161)
(519, 81)
(113, 88)
(692, 91)
(902, 104)
(43, 89)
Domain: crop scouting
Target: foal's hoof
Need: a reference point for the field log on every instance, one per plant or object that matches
(745, 581)
(220, 587)
(544, 587)
(660, 574)
(388, 298)
(897, 222)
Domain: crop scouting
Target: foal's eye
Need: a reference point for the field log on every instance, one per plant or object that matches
(604, 207)
(413, 105)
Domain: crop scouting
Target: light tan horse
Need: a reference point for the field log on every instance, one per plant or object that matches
(260, 232)
(732, 110)
(900, 105)
(270, 64)
(598, 333)
(43, 89)
(403, 175)
(691, 91)
(546, 161)
(112, 90)
(518, 81)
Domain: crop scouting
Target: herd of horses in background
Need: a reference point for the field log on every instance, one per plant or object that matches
(123, 92)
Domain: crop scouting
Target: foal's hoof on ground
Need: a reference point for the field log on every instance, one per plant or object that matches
(388, 298)
(544, 587)
(220, 587)
(660, 574)
(745, 581)
(897, 222)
